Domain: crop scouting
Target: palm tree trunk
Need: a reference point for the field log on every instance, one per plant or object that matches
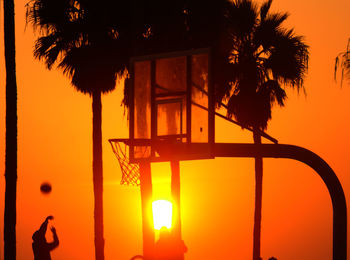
(11, 133)
(258, 200)
(97, 173)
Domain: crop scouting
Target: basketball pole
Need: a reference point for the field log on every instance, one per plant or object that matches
(311, 159)
(175, 192)
(147, 217)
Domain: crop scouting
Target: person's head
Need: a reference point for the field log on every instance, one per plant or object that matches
(38, 237)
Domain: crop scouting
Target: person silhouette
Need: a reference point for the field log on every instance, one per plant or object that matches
(41, 248)
(168, 247)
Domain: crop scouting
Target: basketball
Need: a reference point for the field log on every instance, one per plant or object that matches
(45, 188)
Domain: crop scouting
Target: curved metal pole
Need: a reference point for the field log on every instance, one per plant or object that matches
(315, 162)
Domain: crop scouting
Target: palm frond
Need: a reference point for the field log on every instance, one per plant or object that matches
(49, 47)
(264, 9)
(268, 29)
(250, 109)
(343, 61)
(273, 89)
(224, 75)
(91, 67)
(242, 17)
(47, 15)
(43, 45)
(275, 19)
(289, 59)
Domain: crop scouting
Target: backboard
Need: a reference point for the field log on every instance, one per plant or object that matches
(171, 106)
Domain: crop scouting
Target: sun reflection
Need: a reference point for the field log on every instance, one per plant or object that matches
(162, 214)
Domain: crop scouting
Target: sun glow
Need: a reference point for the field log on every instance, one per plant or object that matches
(162, 214)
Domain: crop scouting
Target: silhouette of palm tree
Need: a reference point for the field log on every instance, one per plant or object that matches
(88, 43)
(11, 133)
(264, 58)
(343, 60)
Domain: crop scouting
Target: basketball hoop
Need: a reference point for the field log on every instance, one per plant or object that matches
(130, 171)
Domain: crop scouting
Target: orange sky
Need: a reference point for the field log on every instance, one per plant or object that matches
(55, 145)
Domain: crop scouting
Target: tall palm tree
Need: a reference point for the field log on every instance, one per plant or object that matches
(11, 133)
(343, 60)
(86, 41)
(265, 58)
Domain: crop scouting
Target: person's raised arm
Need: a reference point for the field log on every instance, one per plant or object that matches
(55, 242)
(43, 226)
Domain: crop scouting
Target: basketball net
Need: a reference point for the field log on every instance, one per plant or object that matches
(130, 171)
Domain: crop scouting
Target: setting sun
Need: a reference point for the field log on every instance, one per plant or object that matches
(162, 214)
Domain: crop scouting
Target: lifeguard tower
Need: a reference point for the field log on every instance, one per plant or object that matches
(171, 113)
